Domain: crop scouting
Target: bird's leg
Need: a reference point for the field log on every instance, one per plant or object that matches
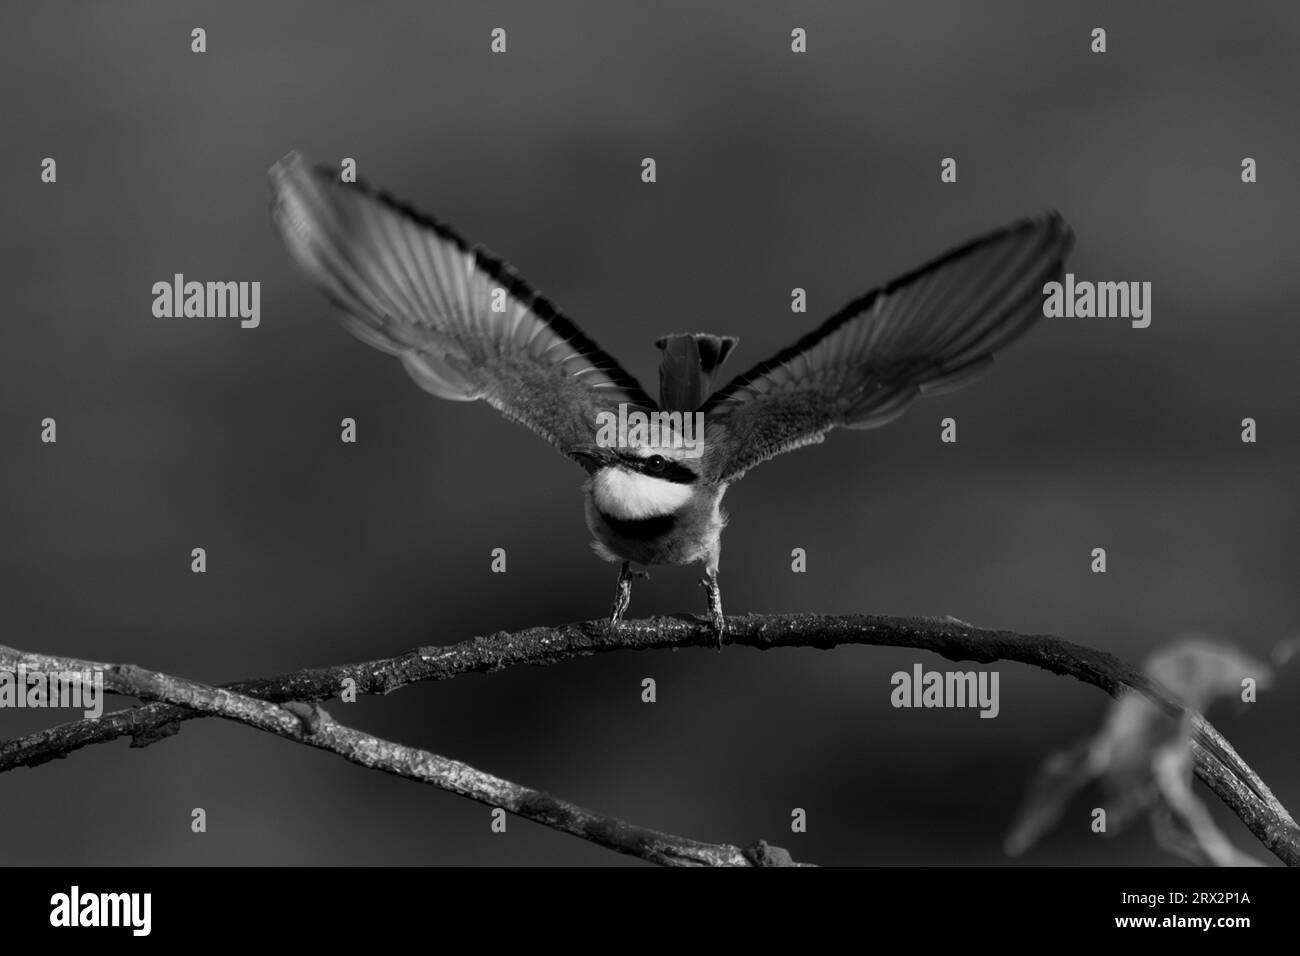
(710, 585)
(623, 596)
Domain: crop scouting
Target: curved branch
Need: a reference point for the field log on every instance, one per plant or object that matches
(1216, 762)
(311, 725)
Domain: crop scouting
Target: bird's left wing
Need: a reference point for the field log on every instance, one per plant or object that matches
(932, 329)
(464, 325)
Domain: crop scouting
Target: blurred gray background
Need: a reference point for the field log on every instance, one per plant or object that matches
(775, 171)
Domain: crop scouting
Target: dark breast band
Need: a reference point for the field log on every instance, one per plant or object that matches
(641, 529)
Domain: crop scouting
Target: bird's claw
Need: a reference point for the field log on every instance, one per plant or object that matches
(716, 620)
(623, 596)
(621, 600)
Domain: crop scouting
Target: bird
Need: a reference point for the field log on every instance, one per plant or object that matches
(467, 327)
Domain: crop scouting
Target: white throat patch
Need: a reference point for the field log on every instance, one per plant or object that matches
(631, 496)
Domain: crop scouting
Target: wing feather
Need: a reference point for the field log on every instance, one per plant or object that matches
(930, 331)
(408, 285)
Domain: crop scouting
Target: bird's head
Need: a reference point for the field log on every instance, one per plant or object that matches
(642, 481)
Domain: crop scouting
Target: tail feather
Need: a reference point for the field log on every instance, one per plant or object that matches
(687, 368)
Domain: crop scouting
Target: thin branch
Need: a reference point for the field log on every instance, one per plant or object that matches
(1217, 764)
(311, 725)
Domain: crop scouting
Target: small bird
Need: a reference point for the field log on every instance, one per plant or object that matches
(466, 326)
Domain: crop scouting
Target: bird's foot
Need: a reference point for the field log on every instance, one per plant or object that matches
(716, 620)
(623, 594)
(622, 598)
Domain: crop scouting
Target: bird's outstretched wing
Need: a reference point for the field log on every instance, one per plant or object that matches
(464, 325)
(930, 330)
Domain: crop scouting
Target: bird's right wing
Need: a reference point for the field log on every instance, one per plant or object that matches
(932, 329)
(464, 325)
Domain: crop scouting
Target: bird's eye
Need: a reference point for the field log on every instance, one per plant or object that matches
(655, 463)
